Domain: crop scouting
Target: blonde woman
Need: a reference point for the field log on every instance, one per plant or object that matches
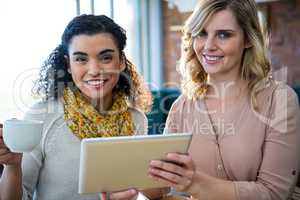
(246, 136)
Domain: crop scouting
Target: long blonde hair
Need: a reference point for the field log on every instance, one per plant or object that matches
(256, 65)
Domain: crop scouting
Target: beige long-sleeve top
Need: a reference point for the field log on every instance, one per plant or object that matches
(51, 170)
(259, 152)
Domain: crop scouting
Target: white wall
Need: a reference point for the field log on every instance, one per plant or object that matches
(29, 31)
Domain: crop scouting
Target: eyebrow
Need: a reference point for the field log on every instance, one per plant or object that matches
(225, 30)
(100, 53)
(218, 30)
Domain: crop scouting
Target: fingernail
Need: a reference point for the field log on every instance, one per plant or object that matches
(133, 191)
(154, 162)
(151, 170)
(170, 155)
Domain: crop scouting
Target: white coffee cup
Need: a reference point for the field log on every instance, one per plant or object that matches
(22, 135)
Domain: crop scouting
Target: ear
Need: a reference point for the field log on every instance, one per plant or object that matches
(68, 64)
(123, 63)
(247, 44)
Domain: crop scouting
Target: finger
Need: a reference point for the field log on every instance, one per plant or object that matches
(182, 186)
(159, 179)
(183, 159)
(169, 176)
(124, 195)
(2, 143)
(3, 146)
(165, 165)
(1, 126)
(102, 195)
(5, 159)
(4, 151)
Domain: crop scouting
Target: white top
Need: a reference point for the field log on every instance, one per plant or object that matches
(51, 170)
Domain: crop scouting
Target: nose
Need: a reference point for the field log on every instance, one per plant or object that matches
(210, 44)
(94, 68)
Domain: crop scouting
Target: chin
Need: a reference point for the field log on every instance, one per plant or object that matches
(211, 71)
(92, 95)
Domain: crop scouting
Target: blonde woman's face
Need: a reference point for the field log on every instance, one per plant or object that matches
(95, 65)
(220, 45)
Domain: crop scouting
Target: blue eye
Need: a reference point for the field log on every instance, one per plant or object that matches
(224, 35)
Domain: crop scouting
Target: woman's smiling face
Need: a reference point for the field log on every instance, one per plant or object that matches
(95, 64)
(220, 46)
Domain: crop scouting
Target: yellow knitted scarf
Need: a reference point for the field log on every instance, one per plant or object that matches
(86, 122)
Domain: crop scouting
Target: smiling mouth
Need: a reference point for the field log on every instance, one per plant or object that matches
(212, 58)
(96, 83)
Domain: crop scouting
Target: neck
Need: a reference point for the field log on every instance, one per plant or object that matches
(102, 104)
(224, 89)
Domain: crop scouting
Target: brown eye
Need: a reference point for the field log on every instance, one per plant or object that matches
(80, 59)
(106, 58)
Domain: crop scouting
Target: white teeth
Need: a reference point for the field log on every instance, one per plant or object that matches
(213, 58)
(95, 82)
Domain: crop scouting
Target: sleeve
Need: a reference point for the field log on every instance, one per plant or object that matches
(173, 120)
(32, 161)
(280, 164)
(31, 165)
(140, 122)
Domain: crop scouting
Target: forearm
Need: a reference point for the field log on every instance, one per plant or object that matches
(223, 190)
(211, 188)
(11, 183)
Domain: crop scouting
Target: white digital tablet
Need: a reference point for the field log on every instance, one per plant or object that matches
(117, 163)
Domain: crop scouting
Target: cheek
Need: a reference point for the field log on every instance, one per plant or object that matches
(77, 73)
(115, 78)
(234, 48)
(197, 47)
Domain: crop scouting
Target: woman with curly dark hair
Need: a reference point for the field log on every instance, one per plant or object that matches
(89, 89)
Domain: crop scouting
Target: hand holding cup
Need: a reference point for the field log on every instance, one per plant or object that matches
(22, 135)
(6, 156)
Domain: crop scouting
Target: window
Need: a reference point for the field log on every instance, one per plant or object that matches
(175, 12)
(30, 30)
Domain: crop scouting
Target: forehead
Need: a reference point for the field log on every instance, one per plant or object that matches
(95, 42)
(222, 20)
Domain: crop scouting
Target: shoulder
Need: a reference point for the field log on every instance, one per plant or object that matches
(177, 109)
(283, 105)
(140, 120)
(50, 112)
(285, 97)
(138, 115)
(43, 110)
(179, 102)
(288, 91)
(281, 92)
(276, 91)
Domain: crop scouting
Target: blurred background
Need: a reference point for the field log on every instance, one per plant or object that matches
(31, 29)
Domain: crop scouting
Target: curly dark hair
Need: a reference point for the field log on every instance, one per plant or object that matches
(54, 76)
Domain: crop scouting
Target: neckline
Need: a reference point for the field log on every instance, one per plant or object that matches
(216, 134)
